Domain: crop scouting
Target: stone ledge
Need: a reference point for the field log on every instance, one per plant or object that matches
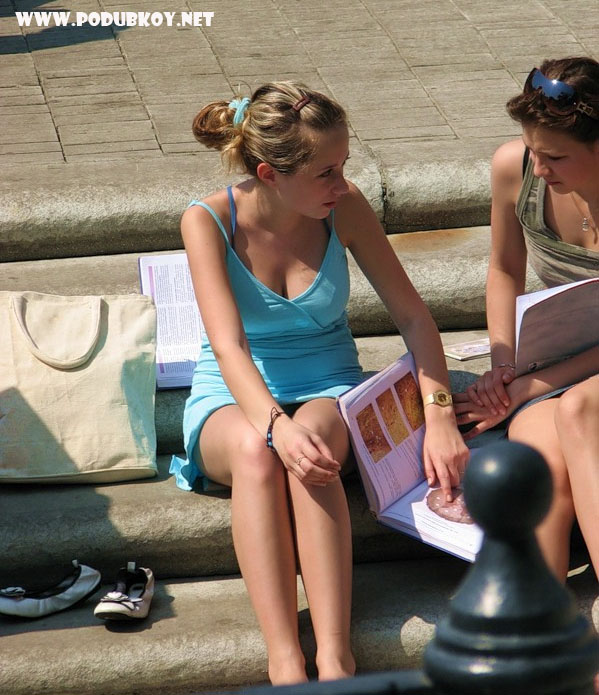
(447, 266)
(176, 533)
(201, 635)
(108, 207)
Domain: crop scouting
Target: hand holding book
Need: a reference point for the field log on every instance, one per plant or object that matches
(394, 445)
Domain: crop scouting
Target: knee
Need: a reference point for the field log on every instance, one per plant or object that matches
(576, 410)
(254, 461)
(331, 429)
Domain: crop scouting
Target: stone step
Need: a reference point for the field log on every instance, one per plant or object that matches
(105, 208)
(151, 521)
(201, 635)
(448, 267)
(375, 353)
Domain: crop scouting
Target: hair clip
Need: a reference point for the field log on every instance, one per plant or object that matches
(299, 105)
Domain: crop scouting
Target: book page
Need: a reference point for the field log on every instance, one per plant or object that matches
(166, 278)
(386, 422)
(556, 323)
(411, 514)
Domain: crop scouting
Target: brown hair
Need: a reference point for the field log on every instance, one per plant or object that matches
(529, 107)
(272, 130)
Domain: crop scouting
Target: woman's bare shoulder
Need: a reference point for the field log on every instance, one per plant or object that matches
(353, 213)
(507, 160)
(217, 201)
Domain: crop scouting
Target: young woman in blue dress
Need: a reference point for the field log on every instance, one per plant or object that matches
(268, 264)
(545, 208)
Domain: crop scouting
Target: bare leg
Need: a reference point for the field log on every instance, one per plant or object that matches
(262, 533)
(535, 426)
(323, 533)
(577, 421)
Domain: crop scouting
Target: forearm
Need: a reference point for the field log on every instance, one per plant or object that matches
(570, 371)
(423, 340)
(246, 385)
(502, 290)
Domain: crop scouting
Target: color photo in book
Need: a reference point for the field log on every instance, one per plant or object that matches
(385, 417)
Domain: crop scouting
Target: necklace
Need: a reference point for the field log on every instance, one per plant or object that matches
(586, 224)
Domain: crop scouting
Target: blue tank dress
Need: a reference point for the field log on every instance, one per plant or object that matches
(302, 347)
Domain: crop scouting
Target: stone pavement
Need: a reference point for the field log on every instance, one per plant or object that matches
(423, 80)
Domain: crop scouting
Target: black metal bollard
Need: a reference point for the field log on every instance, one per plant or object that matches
(512, 627)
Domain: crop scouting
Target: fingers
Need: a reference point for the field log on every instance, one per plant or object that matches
(315, 464)
(429, 471)
(480, 427)
(448, 473)
(472, 394)
(308, 472)
(488, 392)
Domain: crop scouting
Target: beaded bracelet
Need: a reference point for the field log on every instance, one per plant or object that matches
(274, 414)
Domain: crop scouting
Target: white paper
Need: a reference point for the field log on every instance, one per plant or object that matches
(412, 515)
(166, 278)
(468, 350)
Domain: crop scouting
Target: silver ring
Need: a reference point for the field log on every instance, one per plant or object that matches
(299, 460)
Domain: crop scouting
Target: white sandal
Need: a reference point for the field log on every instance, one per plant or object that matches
(80, 583)
(131, 597)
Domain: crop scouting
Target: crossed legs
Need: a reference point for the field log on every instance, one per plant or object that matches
(270, 510)
(566, 431)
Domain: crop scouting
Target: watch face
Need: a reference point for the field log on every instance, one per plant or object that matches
(443, 398)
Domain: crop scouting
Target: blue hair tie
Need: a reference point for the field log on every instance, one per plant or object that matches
(240, 107)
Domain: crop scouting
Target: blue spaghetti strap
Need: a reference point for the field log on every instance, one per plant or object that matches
(214, 215)
(233, 210)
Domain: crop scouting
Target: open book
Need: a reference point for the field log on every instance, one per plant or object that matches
(556, 323)
(166, 278)
(385, 418)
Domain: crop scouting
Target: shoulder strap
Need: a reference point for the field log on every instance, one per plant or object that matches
(232, 210)
(214, 215)
(525, 159)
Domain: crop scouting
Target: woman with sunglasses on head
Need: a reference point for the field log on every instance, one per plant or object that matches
(268, 263)
(545, 208)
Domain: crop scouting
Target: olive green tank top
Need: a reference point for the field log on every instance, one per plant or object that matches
(553, 260)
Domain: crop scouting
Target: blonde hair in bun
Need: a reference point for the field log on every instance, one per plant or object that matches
(273, 129)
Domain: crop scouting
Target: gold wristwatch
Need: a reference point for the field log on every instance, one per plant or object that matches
(442, 398)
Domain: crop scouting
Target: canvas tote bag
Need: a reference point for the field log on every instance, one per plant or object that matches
(77, 388)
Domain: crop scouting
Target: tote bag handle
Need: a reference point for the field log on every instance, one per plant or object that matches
(54, 309)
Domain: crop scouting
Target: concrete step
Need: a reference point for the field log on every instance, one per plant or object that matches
(176, 533)
(375, 352)
(448, 268)
(201, 635)
(106, 208)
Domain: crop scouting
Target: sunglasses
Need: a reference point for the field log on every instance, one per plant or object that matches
(560, 98)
